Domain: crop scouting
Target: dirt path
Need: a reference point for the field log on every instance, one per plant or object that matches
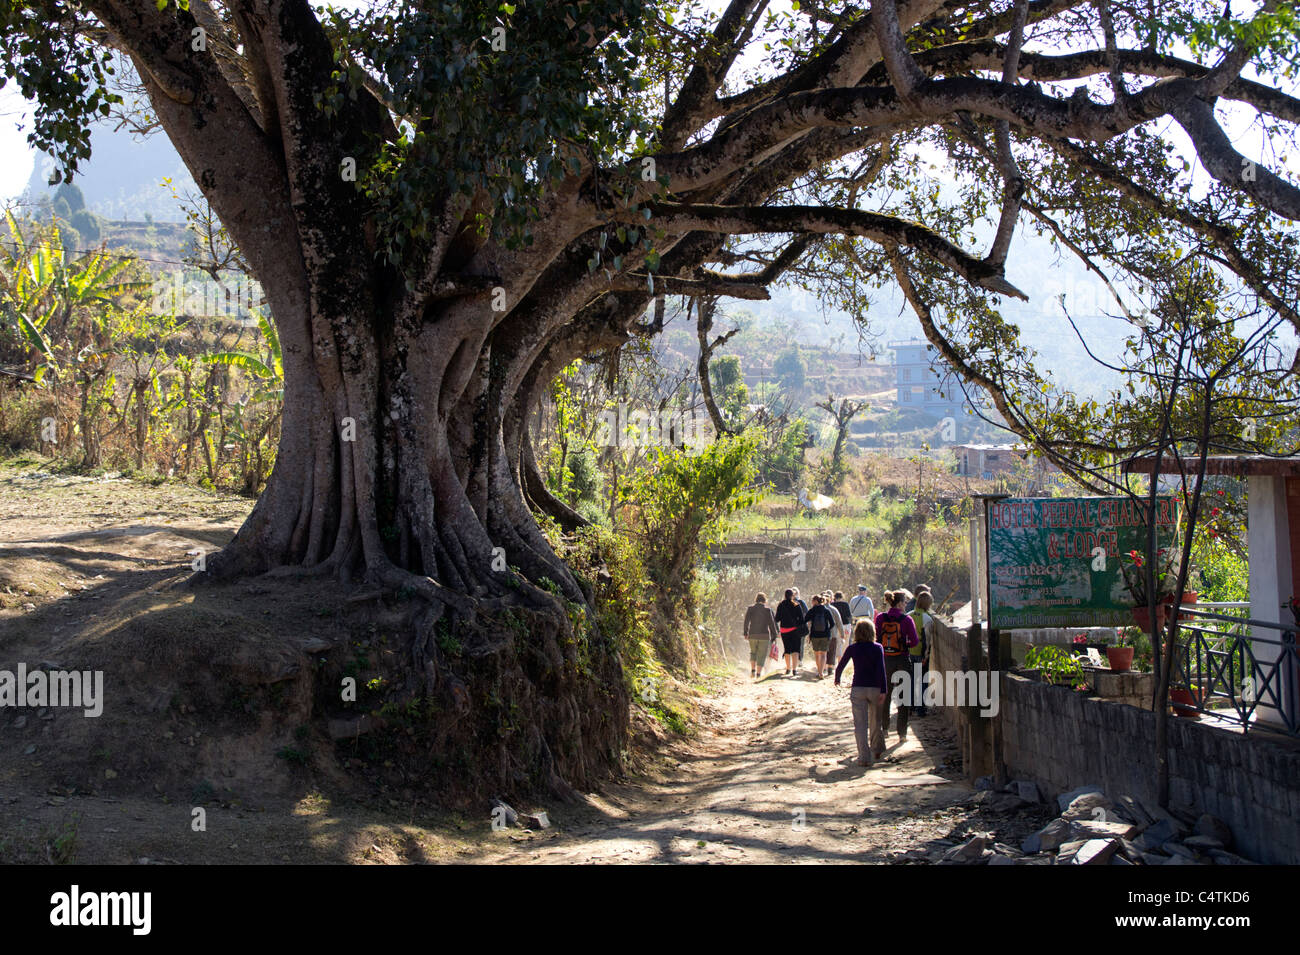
(770, 778)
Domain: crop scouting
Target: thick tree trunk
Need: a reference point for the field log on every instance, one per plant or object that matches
(393, 472)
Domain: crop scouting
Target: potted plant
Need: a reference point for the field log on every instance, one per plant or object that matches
(1058, 666)
(1187, 596)
(1135, 580)
(1185, 700)
(1120, 656)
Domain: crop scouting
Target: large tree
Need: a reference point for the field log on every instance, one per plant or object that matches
(529, 176)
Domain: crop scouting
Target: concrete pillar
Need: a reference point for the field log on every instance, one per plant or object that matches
(1271, 580)
(981, 532)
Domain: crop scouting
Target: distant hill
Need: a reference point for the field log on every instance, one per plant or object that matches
(123, 179)
(831, 363)
(1034, 267)
(160, 244)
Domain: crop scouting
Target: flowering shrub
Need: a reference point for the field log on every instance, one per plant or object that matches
(1135, 575)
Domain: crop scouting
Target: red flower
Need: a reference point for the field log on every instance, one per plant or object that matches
(1220, 493)
(1214, 512)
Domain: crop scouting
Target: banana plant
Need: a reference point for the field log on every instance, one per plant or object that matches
(268, 369)
(94, 281)
(40, 289)
(19, 297)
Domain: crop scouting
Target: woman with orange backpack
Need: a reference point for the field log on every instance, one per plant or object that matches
(896, 633)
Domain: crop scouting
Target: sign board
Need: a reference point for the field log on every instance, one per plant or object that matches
(1056, 562)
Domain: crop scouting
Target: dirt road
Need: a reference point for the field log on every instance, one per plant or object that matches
(770, 777)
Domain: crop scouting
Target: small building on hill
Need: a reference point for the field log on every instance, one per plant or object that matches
(986, 460)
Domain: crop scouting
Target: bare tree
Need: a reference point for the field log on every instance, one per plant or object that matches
(704, 310)
(841, 415)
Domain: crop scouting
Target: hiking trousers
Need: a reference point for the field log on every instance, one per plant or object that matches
(833, 652)
(867, 728)
(898, 663)
(918, 685)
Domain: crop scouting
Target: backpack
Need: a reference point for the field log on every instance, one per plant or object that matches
(891, 636)
(919, 617)
(823, 618)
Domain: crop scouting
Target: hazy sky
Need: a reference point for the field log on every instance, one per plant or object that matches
(16, 157)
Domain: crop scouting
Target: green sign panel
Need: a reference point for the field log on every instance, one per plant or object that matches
(1056, 562)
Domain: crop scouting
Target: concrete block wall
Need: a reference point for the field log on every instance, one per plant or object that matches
(1063, 739)
(948, 653)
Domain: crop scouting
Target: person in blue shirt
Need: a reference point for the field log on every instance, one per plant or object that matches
(861, 607)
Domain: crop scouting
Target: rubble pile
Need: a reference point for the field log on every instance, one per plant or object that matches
(1093, 829)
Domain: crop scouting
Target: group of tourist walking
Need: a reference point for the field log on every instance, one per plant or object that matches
(878, 644)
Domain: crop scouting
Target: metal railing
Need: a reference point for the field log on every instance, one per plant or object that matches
(1235, 668)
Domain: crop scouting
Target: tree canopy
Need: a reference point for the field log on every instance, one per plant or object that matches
(529, 176)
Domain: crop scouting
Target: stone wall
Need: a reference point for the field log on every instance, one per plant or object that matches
(1062, 739)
